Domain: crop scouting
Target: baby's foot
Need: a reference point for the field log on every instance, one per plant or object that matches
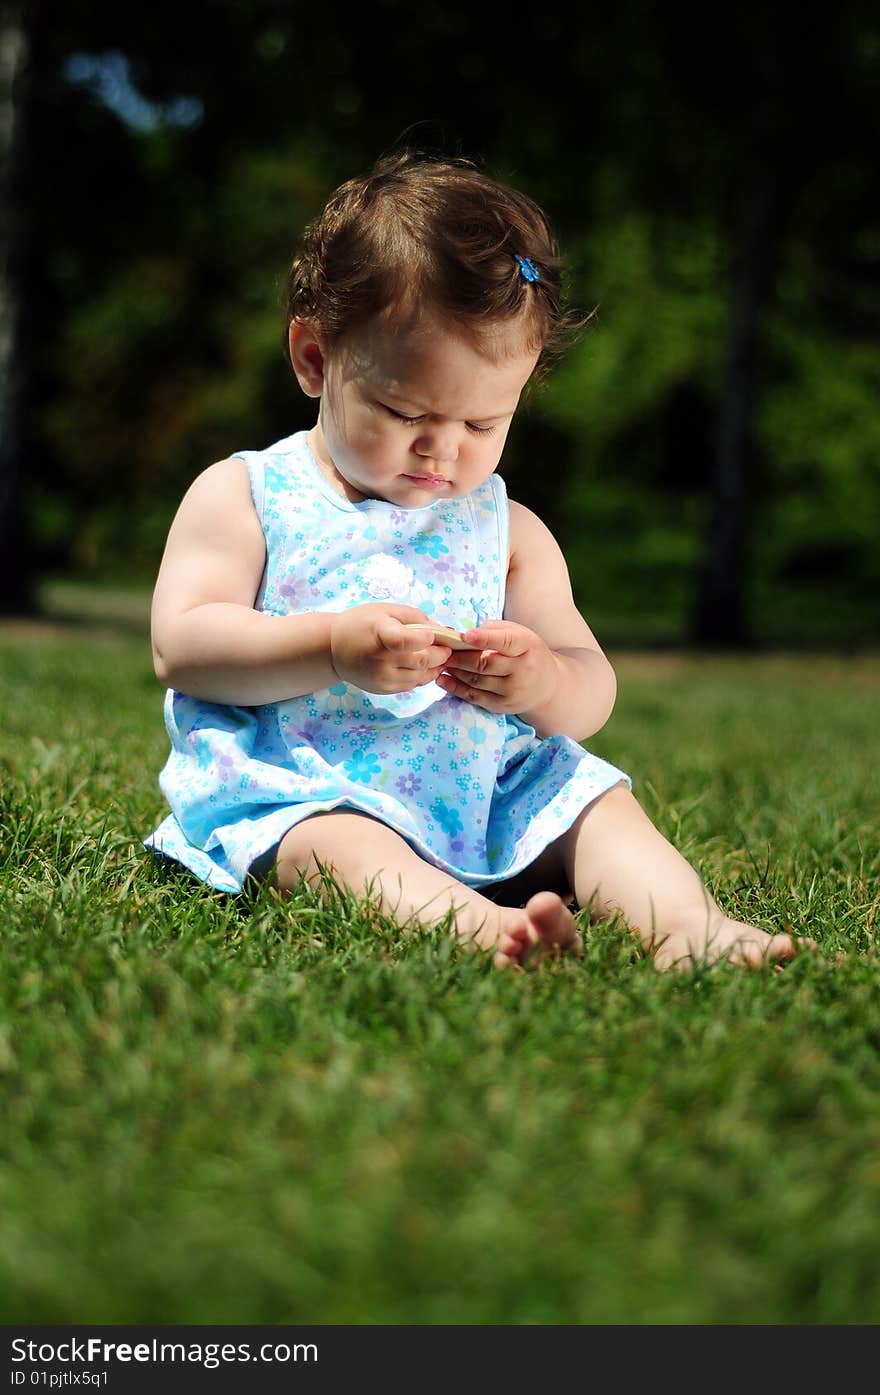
(545, 925)
(731, 940)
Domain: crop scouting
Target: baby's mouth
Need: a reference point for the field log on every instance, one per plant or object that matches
(428, 481)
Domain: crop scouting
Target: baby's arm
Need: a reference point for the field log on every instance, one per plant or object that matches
(210, 642)
(542, 661)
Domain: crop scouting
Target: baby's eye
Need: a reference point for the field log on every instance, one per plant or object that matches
(414, 421)
(400, 416)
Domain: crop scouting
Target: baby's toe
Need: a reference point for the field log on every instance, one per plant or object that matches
(512, 946)
(758, 953)
(552, 924)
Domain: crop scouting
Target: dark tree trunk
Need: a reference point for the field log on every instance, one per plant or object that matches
(15, 573)
(721, 615)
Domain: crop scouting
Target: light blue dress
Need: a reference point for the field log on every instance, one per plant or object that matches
(474, 792)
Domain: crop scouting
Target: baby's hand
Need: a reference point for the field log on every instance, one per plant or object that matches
(372, 647)
(515, 671)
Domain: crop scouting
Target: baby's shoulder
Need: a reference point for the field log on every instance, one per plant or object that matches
(222, 491)
(526, 528)
(224, 477)
(533, 547)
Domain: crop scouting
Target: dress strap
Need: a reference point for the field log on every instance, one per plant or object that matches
(253, 460)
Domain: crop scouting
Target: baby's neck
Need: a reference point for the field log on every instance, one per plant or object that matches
(318, 447)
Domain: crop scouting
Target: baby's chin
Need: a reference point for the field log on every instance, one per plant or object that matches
(412, 494)
(404, 492)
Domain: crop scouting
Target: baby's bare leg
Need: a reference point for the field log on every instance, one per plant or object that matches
(370, 858)
(618, 861)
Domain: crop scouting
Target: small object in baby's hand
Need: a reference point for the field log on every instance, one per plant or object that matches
(443, 635)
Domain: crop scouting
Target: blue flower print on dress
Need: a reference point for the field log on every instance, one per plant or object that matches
(448, 817)
(429, 545)
(206, 755)
(363, 767)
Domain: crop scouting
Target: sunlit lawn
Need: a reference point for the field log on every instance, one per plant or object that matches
(240, 1111)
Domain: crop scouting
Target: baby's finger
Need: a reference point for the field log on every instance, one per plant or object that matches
(400, 638)
(498, 635)
(483, 697)
(479, 682)
(420, 660)
(483, 661)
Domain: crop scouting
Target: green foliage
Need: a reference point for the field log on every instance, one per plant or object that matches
(659, 322)
(381, 1128)
(822, 430)
(162, 366)
(635, 500)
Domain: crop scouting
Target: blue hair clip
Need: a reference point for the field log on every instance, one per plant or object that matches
(527, 269)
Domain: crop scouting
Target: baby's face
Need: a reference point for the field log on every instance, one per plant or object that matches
(419, 414)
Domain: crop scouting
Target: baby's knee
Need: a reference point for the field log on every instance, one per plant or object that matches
(304, 851)
(344, 843)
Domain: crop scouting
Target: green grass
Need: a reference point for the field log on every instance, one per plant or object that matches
(237, 1111)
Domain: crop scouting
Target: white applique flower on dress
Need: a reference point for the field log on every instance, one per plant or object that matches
(387, 579)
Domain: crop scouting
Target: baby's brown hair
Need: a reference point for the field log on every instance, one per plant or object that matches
(440, 234)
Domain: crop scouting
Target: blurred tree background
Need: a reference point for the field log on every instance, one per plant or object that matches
(708, 453)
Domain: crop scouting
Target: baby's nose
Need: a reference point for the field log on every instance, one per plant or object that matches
(438, 443)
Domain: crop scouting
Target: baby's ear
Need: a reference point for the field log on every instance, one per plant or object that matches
(307, 356)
